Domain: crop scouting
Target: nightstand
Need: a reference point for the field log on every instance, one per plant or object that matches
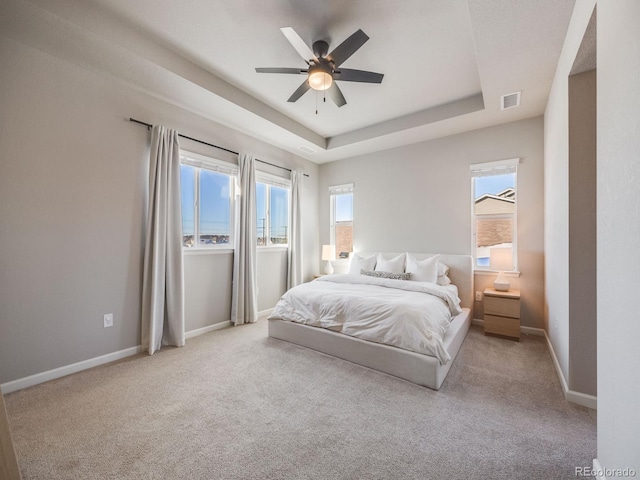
(502, 313)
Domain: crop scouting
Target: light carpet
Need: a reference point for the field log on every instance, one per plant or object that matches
(235, 404)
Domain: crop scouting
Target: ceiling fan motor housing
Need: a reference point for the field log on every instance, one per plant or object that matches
(320, 48)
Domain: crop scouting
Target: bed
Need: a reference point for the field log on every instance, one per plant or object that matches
(428, 368)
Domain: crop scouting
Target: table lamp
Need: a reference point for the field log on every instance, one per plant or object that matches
(328, 254)
(501, 259)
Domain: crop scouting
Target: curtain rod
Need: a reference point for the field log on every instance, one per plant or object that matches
(148, 125)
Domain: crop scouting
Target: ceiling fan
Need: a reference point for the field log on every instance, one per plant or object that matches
(324, 68)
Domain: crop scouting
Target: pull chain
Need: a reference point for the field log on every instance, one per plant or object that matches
(324, 92)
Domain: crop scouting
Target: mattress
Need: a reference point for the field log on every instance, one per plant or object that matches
(410, 315)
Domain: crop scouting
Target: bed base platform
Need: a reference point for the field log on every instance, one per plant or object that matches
(414, 367)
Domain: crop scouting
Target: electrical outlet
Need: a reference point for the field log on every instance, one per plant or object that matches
(478, 296)
(555, 322)
(108, 320)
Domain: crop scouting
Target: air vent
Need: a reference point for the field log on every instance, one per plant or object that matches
(510, 100)
(306, 149)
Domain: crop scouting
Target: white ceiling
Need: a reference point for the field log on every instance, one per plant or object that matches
(446, 62)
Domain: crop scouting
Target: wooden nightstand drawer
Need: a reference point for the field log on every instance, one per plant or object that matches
(509, 327)
(502, 313)
(504, 307)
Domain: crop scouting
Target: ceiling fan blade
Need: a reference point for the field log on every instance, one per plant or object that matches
(302, 89)
(349, 75)
(347, 48)
(302, 48)
(295, 71)
(336, 95)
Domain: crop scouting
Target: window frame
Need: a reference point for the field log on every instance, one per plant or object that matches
(200, 162)
(270, 180)
(334, 191)
(499, 167)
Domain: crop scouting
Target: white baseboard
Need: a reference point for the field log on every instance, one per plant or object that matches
(265, 312)
(538, 332)
(59, 372)
(583, 399)
(579, 398)
(563, 382)
(207, 329)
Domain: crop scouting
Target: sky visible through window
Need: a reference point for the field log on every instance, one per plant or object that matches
(344, 208)
(214, 201)
(278, 212)
(493, 184)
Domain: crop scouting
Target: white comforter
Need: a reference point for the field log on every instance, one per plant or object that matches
(405, 314)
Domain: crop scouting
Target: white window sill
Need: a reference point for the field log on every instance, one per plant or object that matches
(274, 248)
(495, 272)
(207, 251)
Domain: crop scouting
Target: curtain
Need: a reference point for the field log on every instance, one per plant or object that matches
(294, 274)
(244, 303)
(163, 277)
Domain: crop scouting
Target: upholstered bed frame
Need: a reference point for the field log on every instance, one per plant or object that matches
(417, 368)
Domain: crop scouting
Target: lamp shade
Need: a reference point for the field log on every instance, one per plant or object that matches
(320, 80)
(501, 258)
(320, 76)
(328, 252)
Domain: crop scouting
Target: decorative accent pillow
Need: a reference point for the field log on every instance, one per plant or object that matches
(443, 275)
(423, 270)
(442, 269)
(391, 275)
(393, 265)
(358, 262)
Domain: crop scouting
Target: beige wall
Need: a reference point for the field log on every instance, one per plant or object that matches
(582, 233)
(418, 199)
(72, 206)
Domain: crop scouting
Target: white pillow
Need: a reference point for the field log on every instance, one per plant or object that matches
(442, 269)
(423, 270)
(358, 262)
(393, 265)
(443, 275)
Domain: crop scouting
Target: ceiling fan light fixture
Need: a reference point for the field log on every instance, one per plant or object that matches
(320, 79)
(322, 72)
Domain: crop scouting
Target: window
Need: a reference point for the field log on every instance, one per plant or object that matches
(494, 187)
(207, 190)
(341, 219)
(272, 210)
